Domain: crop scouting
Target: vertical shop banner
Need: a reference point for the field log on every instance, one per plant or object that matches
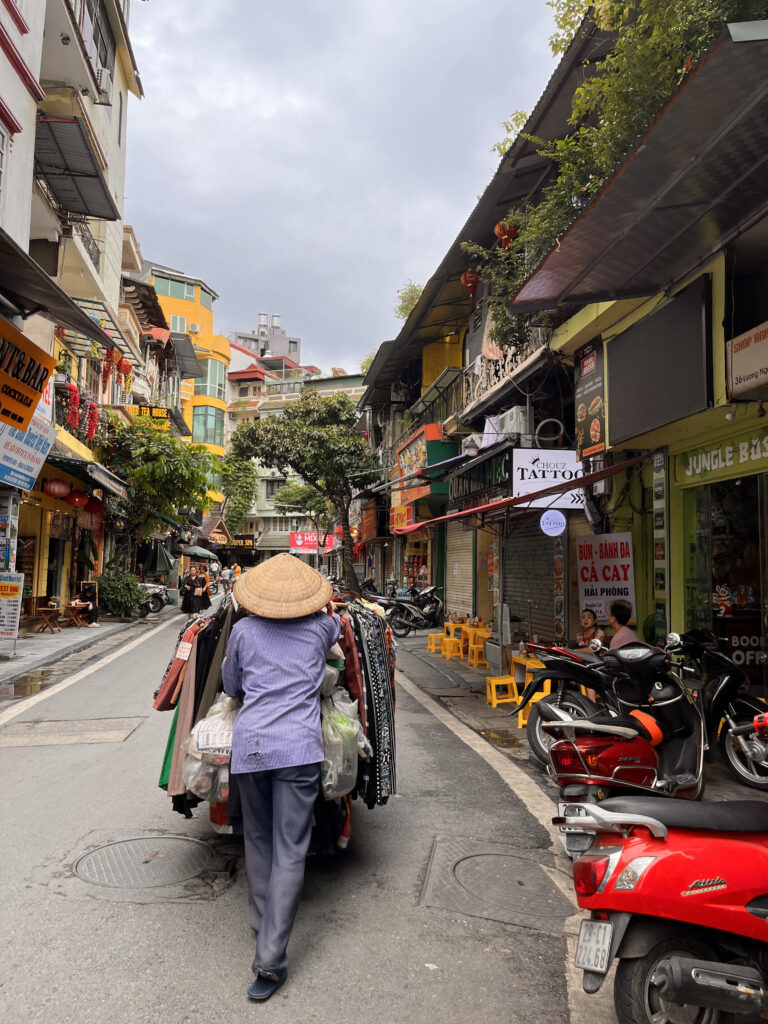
(606, 572)
(589, 399)
(23, 452)
(558, 566)
(24, 371)
(660, 545)
(11, 587)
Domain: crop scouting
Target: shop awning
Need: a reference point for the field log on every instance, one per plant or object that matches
(29, 290)
(98, 313)
(66, 160)
(161, 334)
(92, 473)
(186, 360)
(695, 181)
(504, 503)
(177, 415)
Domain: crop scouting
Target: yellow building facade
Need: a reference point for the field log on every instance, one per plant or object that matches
(187, 303)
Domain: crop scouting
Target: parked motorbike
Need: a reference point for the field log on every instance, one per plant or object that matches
(155, 598)
(423, 611)
(213, 586)
(677, 893)
(650, 740)
(366, 590)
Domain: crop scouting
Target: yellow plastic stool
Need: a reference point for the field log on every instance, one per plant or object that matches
(476, 657)
(451, 647)
(500, 690)
(434, 642)
(522, 716)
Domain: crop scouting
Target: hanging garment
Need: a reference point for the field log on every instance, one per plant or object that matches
(164, 701)
(353, 676)
(213, 677)
(184, 724)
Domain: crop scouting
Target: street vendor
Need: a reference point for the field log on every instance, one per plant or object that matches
(276, 661)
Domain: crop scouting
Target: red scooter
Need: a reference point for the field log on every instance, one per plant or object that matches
(678, 894)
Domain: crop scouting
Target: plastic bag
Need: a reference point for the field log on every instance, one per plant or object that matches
(213, 734)
(338, 773)
(200, 777)
(342, 702)
(334, 663)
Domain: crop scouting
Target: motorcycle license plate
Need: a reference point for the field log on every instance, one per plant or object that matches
(594, 946)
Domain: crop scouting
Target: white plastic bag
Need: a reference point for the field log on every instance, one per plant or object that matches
(213, 734)
(338, 773)
(334, 663)
(343, 702)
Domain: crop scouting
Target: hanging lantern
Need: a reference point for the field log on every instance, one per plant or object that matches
(94, 505)
(470, 279)
(56, 488)
(77, 499)
(506, 233)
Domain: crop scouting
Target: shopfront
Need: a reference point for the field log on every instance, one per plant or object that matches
(723, 508)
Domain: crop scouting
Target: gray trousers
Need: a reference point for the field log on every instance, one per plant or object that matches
(277, 825)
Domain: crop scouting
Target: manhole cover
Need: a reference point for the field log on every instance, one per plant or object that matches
(144, 863)
(510, 882)
(495, 881)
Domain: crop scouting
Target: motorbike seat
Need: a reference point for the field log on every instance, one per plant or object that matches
(709, 816)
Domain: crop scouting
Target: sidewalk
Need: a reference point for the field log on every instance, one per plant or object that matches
(461, 690)
(36, 652)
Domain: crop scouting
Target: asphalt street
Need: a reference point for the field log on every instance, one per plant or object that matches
(449, 906)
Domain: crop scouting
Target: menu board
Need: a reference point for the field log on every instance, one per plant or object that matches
(589, 399)
(606, 572)
(11, 585)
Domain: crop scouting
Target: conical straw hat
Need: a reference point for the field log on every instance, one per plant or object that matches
(282, 587)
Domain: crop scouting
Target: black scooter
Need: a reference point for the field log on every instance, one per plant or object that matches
(423, 611)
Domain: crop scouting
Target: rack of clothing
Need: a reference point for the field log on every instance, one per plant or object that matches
(192, 681)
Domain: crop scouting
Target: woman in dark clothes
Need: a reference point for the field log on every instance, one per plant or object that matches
(189, 599)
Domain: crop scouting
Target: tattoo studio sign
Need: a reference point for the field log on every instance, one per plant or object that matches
(606, 572)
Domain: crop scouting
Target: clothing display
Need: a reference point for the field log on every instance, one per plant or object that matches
(194, 677)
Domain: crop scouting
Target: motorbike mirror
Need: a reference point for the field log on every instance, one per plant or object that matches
(595, 645)
(673, 639)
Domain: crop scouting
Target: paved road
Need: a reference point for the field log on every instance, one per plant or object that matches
(414, 922)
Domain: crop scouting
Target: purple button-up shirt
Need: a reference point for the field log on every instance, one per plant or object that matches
(278, 666)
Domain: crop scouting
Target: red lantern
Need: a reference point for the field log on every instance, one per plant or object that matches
(77, 499)
(94, 505)
(470, 279)
(506, 233)
(56, 488)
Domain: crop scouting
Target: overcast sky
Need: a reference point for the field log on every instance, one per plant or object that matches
(308, 157)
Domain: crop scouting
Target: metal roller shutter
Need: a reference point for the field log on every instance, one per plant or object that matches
(459, 570)
(529, 577)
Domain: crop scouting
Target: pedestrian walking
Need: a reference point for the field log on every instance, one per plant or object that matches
(194, 592)
(276, 661)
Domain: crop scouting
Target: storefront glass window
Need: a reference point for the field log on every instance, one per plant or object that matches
(208, 425)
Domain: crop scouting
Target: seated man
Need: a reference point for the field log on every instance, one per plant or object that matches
(87, 596)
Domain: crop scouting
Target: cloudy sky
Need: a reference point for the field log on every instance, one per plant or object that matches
(308, 157)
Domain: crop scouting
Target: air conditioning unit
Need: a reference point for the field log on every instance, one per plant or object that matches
(514, 421)
(194, 328)
(472, 444)
(397, 393)
(104, 82)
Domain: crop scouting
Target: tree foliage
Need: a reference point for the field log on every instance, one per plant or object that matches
(407, 297)
(239, 479)
(316, 438)
(162, 472)
(657, 44)
(367, 361)
(306, 500)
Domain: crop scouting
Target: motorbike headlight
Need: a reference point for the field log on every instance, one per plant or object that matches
(632, 873)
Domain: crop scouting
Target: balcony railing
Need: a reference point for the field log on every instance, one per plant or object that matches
(90, 244)
(486, 376)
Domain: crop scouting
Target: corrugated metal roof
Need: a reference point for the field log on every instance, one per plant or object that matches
(65, 158)
(696, 180)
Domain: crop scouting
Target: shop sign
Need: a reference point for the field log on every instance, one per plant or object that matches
(368, 519)
(23, 452)
(45, 405)
(748, 362)
(217, 537)
(89, 520)
(552, 523)
(589, 399)
(746, 453)
(11, 589)
(305, 543)
(534, 469)
(242, 542)
(400, 516)
(24, 371)
(422, 449)
(490, 474)
(158, 416)
(606, 572)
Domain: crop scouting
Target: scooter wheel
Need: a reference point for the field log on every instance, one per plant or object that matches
(400, 627)
(144, 611)
(574, 704)
(748, 772)
(156, 605)
(637, 1000)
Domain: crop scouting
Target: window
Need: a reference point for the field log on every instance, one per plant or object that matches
(207, 425)
(178, 323)
(3, 158)
(213, 383)
(97, 34)
(206, 299)
(189, 291)
(174, 289)
(242, 392)
(273, 486)
(293, 346)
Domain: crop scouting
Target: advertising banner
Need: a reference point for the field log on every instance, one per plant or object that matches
(534, 469)
(11, 588)
(24, 372)
(748, 363)
(23, 452)
(606, 572)
(305, 543)
(589, 399)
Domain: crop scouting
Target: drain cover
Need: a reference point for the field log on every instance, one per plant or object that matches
(144, 863)
(496, 882)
